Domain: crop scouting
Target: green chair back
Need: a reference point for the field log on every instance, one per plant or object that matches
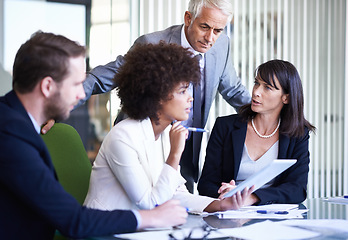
(70, 159)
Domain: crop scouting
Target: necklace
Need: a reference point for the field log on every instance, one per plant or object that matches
(264, 136)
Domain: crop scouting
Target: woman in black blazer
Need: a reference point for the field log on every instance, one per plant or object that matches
(271, 126)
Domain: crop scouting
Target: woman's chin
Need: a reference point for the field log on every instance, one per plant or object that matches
(182, 119)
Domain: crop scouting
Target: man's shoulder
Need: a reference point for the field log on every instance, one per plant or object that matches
(222, 43)
(166, 35)
(16, 134)
(8, 114)
(14, 123)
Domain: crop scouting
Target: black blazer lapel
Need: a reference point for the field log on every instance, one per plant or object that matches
(284, 143)
(238, 139)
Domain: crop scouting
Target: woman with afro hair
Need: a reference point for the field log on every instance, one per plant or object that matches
(137, 166)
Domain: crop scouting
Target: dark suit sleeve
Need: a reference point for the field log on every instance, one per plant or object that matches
(211, 177)
(290, 186)
(99, 79)
(230, 85)
(32, 192)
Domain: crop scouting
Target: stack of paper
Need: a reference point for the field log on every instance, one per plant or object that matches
(340, 200)
(269, 230)
(338, 225)
(271, 211)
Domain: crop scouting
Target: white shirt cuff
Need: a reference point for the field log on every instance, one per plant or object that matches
(138, 217)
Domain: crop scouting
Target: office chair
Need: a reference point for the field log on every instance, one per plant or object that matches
(70, 160)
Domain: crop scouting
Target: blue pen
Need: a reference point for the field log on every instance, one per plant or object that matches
(192, 129)
(273, 212)
(345, 196)
(187, 209)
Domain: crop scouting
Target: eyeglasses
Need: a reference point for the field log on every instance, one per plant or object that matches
(191, 234)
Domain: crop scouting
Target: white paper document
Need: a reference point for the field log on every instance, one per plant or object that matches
(293, 214)
(271, 211)
(334, 224)
(178, 234)
(269, 230)
(264, 176)
(272, 207)
(340, 200)
(264, 230)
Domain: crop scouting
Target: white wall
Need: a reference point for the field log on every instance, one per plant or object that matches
(21, 18)
(5, 77)
(1, 31)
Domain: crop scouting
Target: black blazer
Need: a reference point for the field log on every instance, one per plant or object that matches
(33, 203)
(223, 157)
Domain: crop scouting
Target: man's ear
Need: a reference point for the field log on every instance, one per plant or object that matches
(47, 86)
(187, 18)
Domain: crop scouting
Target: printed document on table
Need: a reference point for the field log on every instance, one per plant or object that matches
(181, 233)
(334, 224)
(274, 207)
(269, 230)
(265, 230)
(271, 211)
(340, 200)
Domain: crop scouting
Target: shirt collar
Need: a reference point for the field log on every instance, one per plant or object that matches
(36, 125)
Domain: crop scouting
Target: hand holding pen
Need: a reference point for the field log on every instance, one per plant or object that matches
(194, 129)
(177, 135)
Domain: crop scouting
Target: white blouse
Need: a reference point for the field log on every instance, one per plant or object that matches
(249, 167)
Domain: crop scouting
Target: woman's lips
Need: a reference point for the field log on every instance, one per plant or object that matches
(256, 102)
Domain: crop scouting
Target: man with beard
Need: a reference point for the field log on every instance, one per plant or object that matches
(48, 73)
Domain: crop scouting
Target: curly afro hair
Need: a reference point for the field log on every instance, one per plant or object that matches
(149, 75)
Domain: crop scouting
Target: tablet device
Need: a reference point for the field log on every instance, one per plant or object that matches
(262, 177)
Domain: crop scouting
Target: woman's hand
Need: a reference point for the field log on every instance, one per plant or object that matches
(168, 214)
(237, 200)
(225, 188)
(178, 134)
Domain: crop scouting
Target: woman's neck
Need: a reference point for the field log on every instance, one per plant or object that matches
(159, 127)
(266, 124)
